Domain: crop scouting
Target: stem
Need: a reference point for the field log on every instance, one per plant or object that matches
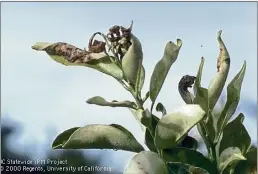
(211, 147)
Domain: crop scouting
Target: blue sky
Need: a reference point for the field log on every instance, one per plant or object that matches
(42, 94)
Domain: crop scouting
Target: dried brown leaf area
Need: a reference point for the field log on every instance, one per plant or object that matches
(223, 55)
(120, 37)
(186, 82)
(71, 53)
(117, 40)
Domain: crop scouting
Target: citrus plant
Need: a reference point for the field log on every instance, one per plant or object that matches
(170, 149)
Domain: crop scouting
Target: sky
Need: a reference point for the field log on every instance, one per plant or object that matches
(47, 97)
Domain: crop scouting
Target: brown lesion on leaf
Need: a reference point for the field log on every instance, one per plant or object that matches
(186, 82)
(71, 53)
(96, 46)
(223, 55)
(118, 39)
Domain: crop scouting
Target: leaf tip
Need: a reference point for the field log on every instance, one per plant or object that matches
(40, 46)
(179, 42)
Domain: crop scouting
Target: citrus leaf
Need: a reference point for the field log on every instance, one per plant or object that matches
(197, 83)
(180, 168)
(250, 165)
(217, 84)
(162, 68)
(149, 140)
(97, 137)
(235, 135)
(233, 97)
(141, 79)
(189, 142)
(132, 60)
(146, 162)
(70, 55)
(173, 127)
(102, 102)
(229, 157)
(189, 156)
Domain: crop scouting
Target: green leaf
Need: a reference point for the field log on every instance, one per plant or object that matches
(189, 142)
(200, 93)
(162, 68)
(97, 137)
(149, 141)
(217, 84)
(229, 157)
(250, 165)
(235, 135)
(161, 108)
(210, 125)
(201, 98)
(173, 127)
(140, 79)
(138, 116)
(189, 156)
(146, 162)
(70, 55)
(132, 60)
(197, 83)
(180, 168)
(102, 102)
(233, 97)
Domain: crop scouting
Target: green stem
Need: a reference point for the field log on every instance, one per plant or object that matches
(211, 147)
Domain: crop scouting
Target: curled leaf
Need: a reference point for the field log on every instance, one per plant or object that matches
(102, 102)
(97, 137)
(197, 83)
(218, 82)
(250, 165)
(183, 85)
(162, 68)
(161, 108)
(132, 60)
(229, 157)
(97, 46)
(70, 55)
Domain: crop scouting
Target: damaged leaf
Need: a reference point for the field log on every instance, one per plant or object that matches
(70, 55)
(102, 102)
(218, 82)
